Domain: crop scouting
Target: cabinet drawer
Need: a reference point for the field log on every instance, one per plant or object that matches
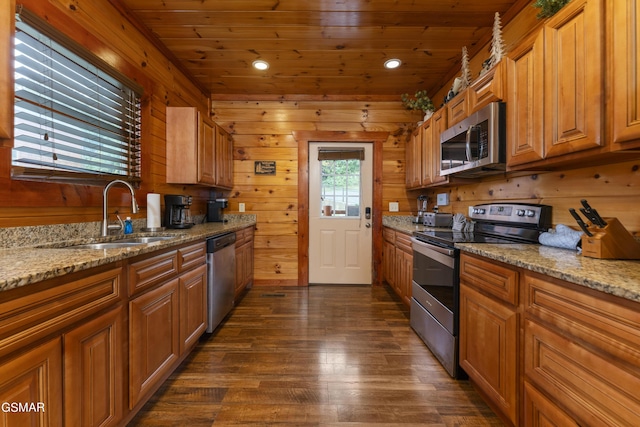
(192, 256)
(491, 277)
(389, 235)
(403, 242)
(151, 271)
(53, 305)
(595, 390)
(606, 322)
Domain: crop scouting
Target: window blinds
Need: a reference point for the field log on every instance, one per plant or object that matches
(72, 119)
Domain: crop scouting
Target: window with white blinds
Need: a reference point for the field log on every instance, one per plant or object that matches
(73, 119)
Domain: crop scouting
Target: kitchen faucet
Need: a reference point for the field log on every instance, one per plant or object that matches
(105, 215)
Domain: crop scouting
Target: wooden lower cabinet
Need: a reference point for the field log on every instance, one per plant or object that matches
(540, 411)
(94, 371)
(193, 307)
(397, 262)
(154, 341)
(33, 377)
(546, 352)
(244, 260)
(488, 349)
(581, 350)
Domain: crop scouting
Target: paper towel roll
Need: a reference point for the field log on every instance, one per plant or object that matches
(153, 210)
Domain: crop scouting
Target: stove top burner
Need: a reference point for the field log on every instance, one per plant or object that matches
(496, 223)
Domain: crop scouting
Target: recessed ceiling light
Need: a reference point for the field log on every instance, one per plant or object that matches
(260, 65)
(392, 63)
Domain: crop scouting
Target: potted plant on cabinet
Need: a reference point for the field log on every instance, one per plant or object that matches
(421, 101)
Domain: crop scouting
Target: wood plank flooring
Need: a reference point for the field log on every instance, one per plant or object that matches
(316, 356)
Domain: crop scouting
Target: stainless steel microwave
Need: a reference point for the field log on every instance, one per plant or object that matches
(477, 145)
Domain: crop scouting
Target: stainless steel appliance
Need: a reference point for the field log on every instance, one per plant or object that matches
(215, 210)
(437, 219)
(477, 145)
(436, 263)
(422, 209)
(221, 278)
(177, 211)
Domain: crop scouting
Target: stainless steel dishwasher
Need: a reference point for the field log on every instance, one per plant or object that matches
(221, 277)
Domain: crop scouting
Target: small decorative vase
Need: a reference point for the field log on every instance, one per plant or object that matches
(427, 115)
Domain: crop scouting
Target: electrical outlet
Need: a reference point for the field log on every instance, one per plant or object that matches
(241, 207)
(393, 207)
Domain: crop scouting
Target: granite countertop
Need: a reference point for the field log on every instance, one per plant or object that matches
(615, 277)
(21, 266)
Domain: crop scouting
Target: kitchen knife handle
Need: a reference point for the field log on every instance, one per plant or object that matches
(580, 222)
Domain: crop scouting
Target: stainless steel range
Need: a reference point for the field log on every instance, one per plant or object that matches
(436, 282)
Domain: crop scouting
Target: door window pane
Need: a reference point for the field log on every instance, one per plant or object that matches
(341, 189)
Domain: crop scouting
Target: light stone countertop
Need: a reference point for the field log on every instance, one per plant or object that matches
(616, 277)
(21, 266)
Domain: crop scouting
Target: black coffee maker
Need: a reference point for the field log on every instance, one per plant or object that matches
(215, 210)
(177, 211)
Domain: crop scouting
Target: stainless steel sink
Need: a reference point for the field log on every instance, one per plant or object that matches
(122, 243)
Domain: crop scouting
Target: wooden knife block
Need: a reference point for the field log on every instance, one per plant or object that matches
(610, 242)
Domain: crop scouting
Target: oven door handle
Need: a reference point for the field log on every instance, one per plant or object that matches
(442, 255)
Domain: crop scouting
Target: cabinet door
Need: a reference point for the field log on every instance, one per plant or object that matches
(6, 73)
(193, 307)
(405, 278)
(33, 377)
(389, 262)
(488, 344)
(458, 107)
(413, 151)
(206, 152)
(573, 98)
(488, 88)
(224, 159)
(425, 154)
(438, 125)
(624, 73)
(525, 112)
(94, 375)
(154, 341)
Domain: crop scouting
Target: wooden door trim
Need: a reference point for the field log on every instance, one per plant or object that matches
(303, 138)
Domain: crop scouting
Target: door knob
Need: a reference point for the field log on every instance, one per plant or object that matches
(368, 225)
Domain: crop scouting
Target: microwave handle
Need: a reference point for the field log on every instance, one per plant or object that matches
(468, 142)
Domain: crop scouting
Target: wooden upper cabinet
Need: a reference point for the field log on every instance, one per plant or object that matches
(525, 112)
(413, 158)
(490, 87)
(438, 125)
(6, 74)
(190, 147)
(458, 108)
(224, 158)
(624, 76)
(573, 96)
(425, 155)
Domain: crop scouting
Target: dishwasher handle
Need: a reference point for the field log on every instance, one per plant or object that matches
(217, 243)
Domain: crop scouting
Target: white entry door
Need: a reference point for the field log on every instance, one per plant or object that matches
(340, 201)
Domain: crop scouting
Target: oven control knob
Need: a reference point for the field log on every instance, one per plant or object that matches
(530, 213)
(482, 211)
(520, 212)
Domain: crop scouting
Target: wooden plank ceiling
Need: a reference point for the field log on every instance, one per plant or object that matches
(319, 47)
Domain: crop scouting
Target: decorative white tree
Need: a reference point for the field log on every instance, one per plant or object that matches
(497, 44)
(466, 73)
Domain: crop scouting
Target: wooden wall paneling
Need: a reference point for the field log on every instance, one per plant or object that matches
(99, 27)
(263, 128)
(614, 189)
